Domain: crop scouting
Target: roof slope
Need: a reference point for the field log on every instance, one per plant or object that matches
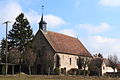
(66, 44)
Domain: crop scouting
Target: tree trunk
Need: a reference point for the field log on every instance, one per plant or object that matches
(48, 70)
(6, 68)
(84, 70)
(29, 70)
(13, 69)
(114, 72)
(20, 68)
(99, 73)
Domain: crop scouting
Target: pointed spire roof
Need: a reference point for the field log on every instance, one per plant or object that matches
(41, 18)
(42, 23)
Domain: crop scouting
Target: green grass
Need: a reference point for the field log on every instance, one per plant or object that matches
(52, 77)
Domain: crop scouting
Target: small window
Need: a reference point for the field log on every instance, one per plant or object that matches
(57, 61)
(103, 68)
(70, 61)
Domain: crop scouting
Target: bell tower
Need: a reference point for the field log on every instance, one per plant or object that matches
(42, 23)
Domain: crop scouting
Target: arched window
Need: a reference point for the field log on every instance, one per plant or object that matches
(57, 61)
(103, 68)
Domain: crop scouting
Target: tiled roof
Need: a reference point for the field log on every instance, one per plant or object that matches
(107, 62)
(66, 44)
(118, 66)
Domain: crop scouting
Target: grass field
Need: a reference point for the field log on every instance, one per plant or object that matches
(52, 77)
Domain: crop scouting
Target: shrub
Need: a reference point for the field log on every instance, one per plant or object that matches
(93, 73)
(72, 71)
(78, 71)
(84, 72)
(75, 71)
(56, 71)
(63, 71)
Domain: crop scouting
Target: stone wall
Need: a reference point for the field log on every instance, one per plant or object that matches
(44, 53)
(46, 56)
(65, 61)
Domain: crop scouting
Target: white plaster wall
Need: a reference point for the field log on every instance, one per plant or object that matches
(107, 69)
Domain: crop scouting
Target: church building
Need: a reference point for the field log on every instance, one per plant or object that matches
(56, 50)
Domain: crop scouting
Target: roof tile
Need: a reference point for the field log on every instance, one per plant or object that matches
(66, 44)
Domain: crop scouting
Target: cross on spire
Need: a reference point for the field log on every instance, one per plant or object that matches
(42, 9)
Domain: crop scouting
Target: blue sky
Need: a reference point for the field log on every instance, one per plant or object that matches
(95, 22)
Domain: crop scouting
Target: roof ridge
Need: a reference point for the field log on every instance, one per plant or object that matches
(67, 44)
(63, 34)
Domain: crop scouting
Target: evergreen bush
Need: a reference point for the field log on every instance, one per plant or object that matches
(56, 71)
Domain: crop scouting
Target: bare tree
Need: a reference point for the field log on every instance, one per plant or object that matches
(85, 65)
(14, 57)
(82, 63)
(113, 59)
(29, 58)
(100, 55)
(95, 66)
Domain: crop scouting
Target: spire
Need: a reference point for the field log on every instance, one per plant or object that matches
(42, 23)
(42, 13)
(42, 9)
(41, 18)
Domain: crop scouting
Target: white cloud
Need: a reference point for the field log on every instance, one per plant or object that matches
(112, 3)
(54, 21)
(94, 29)
(33, 17)
(77, 3)
(104, 45)
(13, 9)
(69, 32)
(10, 11)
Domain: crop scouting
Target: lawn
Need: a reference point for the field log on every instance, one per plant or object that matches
(52, 77)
